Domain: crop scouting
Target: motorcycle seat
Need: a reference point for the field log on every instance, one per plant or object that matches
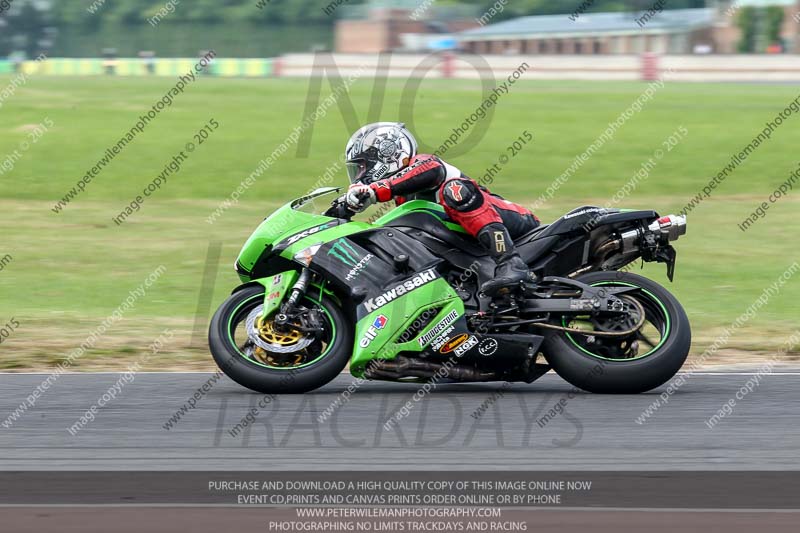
(575, 219)
(531, 235)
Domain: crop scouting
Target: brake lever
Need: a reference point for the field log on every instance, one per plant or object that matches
(339, 209)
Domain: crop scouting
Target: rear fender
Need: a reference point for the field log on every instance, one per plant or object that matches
(622, 217)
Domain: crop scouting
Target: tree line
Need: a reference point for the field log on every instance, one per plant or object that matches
(33, 25)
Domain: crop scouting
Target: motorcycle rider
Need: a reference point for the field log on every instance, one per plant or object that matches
(383, 165)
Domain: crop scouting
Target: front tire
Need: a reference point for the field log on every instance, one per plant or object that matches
(600, 369)
(231, 357)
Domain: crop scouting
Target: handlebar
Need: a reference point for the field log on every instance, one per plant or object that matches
(339, 209)
(363, 195)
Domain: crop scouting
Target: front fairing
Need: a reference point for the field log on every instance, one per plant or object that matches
(386, 303)
(289, 230)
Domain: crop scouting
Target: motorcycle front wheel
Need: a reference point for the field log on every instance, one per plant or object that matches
(272, 360)
(629, 364)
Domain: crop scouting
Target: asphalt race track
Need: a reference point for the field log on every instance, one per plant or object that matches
(455, 427)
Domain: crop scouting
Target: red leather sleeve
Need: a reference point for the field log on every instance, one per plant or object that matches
(424, 173)
(383, 191)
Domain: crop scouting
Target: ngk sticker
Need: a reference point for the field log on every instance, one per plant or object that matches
(466, 346)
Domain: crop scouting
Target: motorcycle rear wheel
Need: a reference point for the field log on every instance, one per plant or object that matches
(629, 365)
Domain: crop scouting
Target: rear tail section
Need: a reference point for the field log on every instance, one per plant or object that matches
(592, 239)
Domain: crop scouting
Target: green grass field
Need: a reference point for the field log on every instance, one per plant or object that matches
(68, 271)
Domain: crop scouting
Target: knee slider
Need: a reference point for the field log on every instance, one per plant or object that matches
(462, 195)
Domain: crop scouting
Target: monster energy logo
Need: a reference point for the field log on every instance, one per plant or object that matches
(344, 252)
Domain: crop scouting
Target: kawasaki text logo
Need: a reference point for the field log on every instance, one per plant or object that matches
(583, 212)
(407, 286)
(438, 328)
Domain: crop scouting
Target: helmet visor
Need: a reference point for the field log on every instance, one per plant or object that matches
(356, 170)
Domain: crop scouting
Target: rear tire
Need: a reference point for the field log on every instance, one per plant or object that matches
(269, 380)
(594, 373)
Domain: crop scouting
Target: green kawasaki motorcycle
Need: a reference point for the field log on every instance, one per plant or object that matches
(399, 300)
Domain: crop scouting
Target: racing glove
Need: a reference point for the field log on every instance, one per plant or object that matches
(359, 197)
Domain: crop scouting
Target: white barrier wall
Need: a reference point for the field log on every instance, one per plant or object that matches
(711, 68)
(785, 67)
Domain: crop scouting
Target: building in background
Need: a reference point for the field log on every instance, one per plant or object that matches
(679, 31)
(401, 25)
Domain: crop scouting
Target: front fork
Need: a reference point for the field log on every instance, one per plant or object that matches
(291, 317)
(299, 289)
(297, 292)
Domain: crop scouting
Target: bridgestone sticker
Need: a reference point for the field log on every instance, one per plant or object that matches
(438, 328)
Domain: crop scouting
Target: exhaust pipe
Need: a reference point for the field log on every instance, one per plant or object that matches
(673, 226)
(668, 228)
(402, 367)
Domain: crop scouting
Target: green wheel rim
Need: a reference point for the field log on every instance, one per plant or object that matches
(271, 367)
(664, 336)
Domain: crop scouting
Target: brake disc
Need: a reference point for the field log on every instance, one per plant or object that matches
(258, 331)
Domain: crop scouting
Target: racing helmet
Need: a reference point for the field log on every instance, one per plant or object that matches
(377, 151)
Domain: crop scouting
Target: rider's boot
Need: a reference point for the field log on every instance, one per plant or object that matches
(511, 270)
